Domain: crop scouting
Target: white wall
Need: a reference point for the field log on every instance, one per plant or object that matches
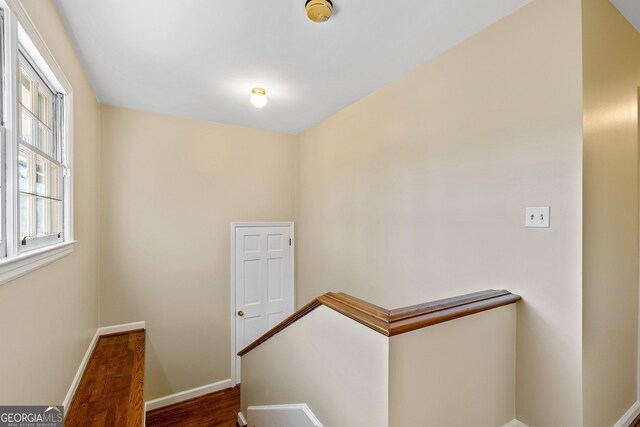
(456, 374)
(335, 365)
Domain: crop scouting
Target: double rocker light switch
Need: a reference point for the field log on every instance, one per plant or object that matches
(537, 217)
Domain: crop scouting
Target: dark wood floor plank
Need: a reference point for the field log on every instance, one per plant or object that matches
(218, 409)
(111, 391)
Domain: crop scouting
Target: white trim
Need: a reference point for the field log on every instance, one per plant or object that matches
(85, 360)
(235, 359)
(26, 262)
(515, 423)
(68, 177)
(629, 416)
(20, 29)
(3, 182)
(263, 224)
(107, 330)
(11, 146)
(36, 38)
(76, 380)
(242, 421)
(186, 395)
(283, 412)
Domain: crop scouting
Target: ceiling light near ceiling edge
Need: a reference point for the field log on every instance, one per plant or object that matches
(319, 10)
(258, 97)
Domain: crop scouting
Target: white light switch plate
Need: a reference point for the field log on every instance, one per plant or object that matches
(537, 217)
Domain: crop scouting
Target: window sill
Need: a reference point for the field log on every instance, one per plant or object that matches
(12, 268)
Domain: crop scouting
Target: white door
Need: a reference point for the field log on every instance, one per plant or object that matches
(264, 294)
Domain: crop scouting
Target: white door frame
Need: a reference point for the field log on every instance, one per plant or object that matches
(235, 359)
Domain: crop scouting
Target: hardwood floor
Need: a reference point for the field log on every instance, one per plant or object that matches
(218, 409)
(111, 391)
(636, 422)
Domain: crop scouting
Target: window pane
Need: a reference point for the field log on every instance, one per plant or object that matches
(55, 180)
(26, 91)
(41, 177)
(45, 139)
(56, 217)
(24, 170)
(42, 216)
(45, 113)
(27, 123)
(25, 216)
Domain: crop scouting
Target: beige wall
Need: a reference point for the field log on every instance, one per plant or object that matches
(335, 365)
(418, 192)
(415, 193)
(48, 317)
(170, 189)
(611, 54)
(456, 374)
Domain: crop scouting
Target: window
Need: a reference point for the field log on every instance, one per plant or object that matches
(40, 163)
(36, 190)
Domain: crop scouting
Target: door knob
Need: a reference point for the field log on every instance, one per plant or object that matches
(241, 313)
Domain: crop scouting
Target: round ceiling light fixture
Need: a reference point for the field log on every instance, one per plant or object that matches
(319, 10)
(258, 97)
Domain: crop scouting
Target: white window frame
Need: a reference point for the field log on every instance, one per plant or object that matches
(19, 30)
(34, 242)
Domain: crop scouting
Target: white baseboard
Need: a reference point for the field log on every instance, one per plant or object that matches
(106, 330)
(631, 415)
(85, 360)
(76, 380)
(242, 421)
(625, 421)
(186, 395)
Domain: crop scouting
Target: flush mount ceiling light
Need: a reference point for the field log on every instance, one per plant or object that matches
(319, 10)
(258, 97)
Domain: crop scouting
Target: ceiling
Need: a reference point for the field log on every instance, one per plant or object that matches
(200, 58)
(630, 9)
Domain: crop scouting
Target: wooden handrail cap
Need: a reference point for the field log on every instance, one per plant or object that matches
(399, 320)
